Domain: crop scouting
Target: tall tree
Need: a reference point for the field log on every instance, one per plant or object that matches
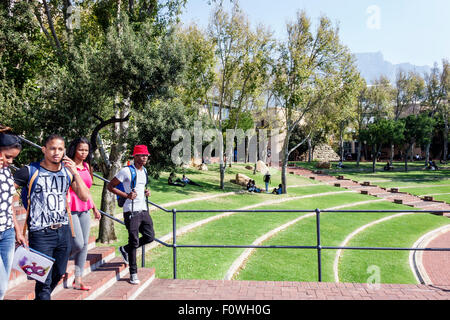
(409, 92)
(312, 71)
(418, 130)
(381, 132)
(436, 96)
(242, 63)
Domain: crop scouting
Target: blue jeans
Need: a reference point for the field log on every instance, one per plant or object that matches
(7, 245)
(55, 244)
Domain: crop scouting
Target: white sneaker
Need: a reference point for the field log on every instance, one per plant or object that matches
(134, 279)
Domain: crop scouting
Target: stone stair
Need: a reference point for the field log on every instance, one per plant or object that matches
(107, 275)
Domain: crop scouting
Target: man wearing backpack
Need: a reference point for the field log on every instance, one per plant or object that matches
(137, 219)
(46, 186)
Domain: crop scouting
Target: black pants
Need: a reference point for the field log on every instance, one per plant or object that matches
(137, 222)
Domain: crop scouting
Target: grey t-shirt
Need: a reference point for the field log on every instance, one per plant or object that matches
(49, 198)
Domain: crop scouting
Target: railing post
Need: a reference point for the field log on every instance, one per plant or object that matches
(143, 256)
(319, 247)
(174, 233)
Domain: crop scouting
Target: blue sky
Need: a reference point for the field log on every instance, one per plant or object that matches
(414, 31)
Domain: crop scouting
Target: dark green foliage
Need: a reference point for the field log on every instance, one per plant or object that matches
(153, 126)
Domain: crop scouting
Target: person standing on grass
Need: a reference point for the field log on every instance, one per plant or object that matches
(10, 148)
(267, 181)
(135, 209)
(80, 152)
(48, 214)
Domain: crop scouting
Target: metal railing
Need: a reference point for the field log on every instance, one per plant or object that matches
(318, 247)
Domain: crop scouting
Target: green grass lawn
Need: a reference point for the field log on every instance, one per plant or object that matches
(284, 264)
(393, 265)
(238, 229)
(302, 265)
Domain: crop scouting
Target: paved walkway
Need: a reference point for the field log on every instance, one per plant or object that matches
(169, 289)
(437, 263)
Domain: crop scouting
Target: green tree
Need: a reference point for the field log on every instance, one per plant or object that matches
(242, 56)
(418, 130)
(313, 71)
(436, 96)
(408, 91)
(381, 132)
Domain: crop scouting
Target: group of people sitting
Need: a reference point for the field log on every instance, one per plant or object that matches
(174, 181)
(251, 186)
(432, 165)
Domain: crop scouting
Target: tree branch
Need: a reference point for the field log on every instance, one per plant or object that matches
(50, 23)
(103, 124)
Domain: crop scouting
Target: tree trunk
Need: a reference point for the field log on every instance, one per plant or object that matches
(284, 162)
(374, 160)
(406, 158)
(391, 159)
(358, 154)
(309, 150)
(222, 175)
(120, 133)
(445, 138)
(427, 153)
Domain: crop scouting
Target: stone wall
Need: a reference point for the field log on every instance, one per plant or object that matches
(322, 152)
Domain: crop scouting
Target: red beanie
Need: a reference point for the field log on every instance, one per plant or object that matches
(140, 149)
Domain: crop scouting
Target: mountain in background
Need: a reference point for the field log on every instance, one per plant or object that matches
(372, 65)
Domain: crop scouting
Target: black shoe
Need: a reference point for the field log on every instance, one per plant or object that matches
(124, 254)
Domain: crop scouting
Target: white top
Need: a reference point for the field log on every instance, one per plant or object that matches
(140, 203)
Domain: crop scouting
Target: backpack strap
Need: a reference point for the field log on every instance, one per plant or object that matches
(69, 213)
(133, 177)
(33, 172)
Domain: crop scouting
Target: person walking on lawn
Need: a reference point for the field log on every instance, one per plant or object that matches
(135, 209)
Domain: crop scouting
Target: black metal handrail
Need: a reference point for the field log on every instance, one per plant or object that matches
(317, 247)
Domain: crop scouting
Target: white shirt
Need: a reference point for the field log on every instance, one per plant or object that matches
(140, 203)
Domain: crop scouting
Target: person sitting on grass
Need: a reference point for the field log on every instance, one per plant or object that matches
(432, 165)
(278, 190)
(251, 187)
(185, 180)
(388, 166)
(176, 183)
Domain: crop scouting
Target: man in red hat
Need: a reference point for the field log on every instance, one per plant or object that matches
(137, 219)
